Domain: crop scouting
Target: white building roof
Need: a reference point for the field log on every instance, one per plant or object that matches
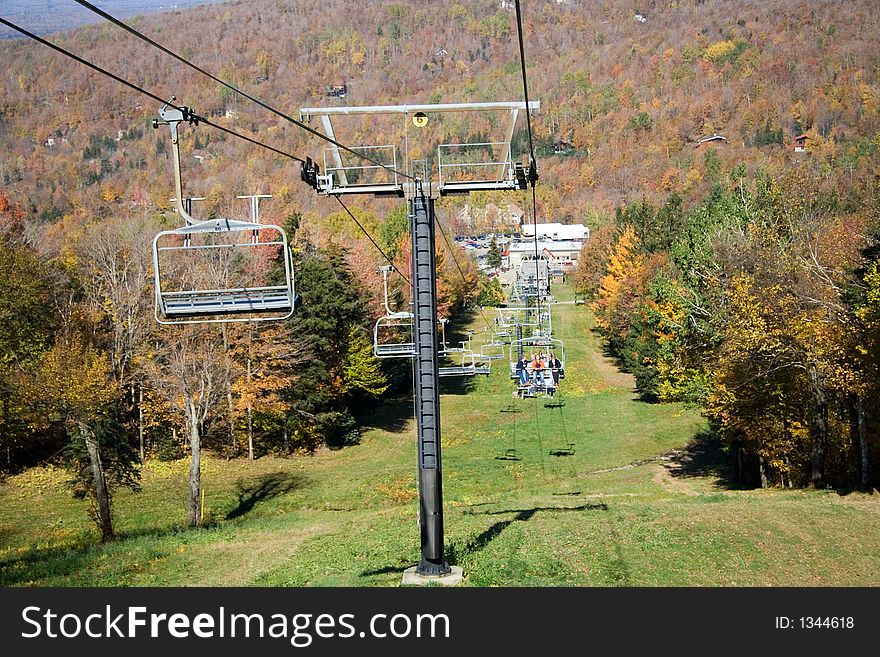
(528, 247)
(557, 231)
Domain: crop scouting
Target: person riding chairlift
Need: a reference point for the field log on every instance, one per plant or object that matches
(522, 373)
(555, 369)
(537, 371)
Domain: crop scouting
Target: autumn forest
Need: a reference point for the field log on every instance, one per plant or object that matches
(726, 156)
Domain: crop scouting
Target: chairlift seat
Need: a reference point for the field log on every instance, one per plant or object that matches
(394, 350)
(461, 370)
(221, 302)
(464, 370)
(493, 350)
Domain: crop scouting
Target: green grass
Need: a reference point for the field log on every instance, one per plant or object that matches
(611, 514)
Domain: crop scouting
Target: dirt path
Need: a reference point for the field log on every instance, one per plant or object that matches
(241, 562)
(663, 478)
(608, 370)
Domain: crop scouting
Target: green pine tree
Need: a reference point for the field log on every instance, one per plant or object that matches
(362, 374)
(493, 258)
(336, 379)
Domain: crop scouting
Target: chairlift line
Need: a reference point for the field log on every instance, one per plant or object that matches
(230, 301)
(533, 164)
(378, 248)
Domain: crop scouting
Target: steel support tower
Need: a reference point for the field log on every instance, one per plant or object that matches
(421, 195)
(426, 381)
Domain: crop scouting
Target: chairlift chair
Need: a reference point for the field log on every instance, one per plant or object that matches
(530, 345)
(191, 303)
(387, 334)
(468, 367)
(445, 349)
(514, 316)
(395, 324)
(389, 329)
(494, 349)
(195, 292)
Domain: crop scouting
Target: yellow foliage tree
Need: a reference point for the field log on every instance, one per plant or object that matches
(76, 383)
(625, 261)
(719, 50)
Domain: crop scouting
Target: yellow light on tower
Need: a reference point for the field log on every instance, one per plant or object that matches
(420, 119)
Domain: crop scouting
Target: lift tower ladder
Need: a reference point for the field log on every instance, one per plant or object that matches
(427, 384)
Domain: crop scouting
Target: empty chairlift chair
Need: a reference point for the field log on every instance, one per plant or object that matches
(392, 336)
(393, 333)
(468, 367)
(217, 270)
(210, 272)
(469, 359)
(494, 349)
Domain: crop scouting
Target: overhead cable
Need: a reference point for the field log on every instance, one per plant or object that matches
(286, 117)
(195, 117)
(458, 266)
(533, 171)
(364, 231)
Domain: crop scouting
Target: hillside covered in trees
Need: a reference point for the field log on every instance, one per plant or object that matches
(712, 255)
(631, 98)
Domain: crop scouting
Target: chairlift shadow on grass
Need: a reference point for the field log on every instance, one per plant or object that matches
(454, 553)
(509, 455)
(568, 450)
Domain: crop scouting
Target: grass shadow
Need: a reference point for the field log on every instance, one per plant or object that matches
(47, 562)
(262, 489)
(73, 559)
(385, 570)
(454, 553)
(563, 451)
(457, 385)
(617, 569)
(393, 416)
(844, 492)
(704, 456)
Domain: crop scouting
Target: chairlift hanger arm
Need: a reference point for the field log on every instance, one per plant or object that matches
(171, 115)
